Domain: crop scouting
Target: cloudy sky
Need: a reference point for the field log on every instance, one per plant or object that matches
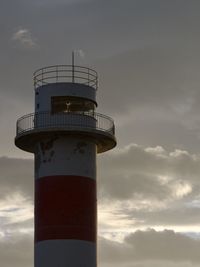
(147, 55)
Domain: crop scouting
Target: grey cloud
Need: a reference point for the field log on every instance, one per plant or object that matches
(168, 245)
(154, 264)
(121, 186)
(149, 186)
(16, 176)
(137, 247)
(17, 251)
(16, 196)
(173, 215)
(148, 179)
(16, 212)
(143, 247)
(150, 172)
(140, 249)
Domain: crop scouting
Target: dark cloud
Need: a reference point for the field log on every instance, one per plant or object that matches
(16, 197)
(152, 172)
(16, 177)
(18, 251)
(143, 247)
(169, 247)
(139, 249)
(171, 216)
(144, 187)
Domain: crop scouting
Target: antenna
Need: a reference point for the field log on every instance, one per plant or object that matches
(73, 66)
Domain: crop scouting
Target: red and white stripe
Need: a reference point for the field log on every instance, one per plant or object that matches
(65, 203)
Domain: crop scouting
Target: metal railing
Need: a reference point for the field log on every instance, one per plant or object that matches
(75, 121)
(65, 73)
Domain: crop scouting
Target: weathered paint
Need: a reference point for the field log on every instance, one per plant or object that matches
(65, 187)
(65, 202)
(65, 253)
(66, 156)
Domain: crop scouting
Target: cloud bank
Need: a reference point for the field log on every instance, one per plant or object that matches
(147, 247)
(139, 188)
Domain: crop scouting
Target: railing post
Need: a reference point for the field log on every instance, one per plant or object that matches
(72, 66)
(42, 77)
(56, 73)
(34, 81)
(88, 76)
(96, 82)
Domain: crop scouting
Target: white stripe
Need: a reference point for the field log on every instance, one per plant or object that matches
(65, 253)
(66, 156)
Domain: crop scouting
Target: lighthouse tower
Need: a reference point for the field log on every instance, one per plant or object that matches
(65, 134)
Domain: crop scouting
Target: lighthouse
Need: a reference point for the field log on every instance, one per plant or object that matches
(65, 133)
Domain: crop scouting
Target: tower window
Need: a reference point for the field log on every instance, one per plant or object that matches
(61, 104)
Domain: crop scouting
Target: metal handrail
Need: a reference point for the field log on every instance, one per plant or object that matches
(65, 73)
(76, 120)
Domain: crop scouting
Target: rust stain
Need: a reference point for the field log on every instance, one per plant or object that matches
(47, 151)
(37, 159)
(80, 147)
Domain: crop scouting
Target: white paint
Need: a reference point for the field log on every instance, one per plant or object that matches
(65, 253)
(65, 120)
(67, 156)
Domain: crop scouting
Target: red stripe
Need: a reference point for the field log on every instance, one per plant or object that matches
(65, 208)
